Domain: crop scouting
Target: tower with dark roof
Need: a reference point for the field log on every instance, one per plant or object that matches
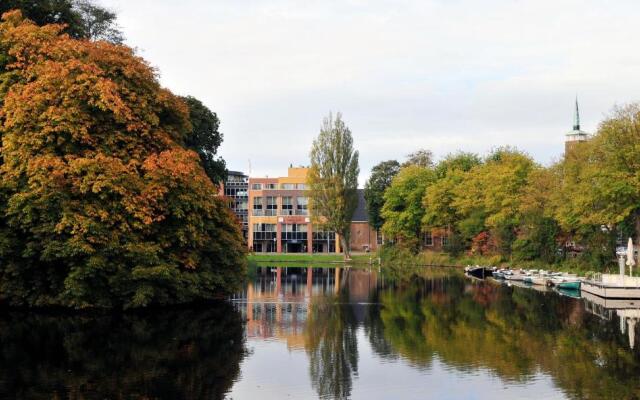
(575, 136)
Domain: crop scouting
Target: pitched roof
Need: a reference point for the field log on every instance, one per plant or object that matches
(361, 214)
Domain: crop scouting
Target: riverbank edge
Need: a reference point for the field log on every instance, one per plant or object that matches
(431, 258)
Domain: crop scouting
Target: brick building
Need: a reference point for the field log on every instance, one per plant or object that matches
(280, 220)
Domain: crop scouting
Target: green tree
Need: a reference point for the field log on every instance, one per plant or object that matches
(538, 231)
(205, 139)
(83, 19)
(381, 176)
(98, 23)
(422, 158)
(100, 206)
(602, 185)
(333, 179)
(438, 201)
(403, 210)
(492, 191)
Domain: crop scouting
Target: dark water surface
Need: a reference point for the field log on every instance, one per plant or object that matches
(298, 333)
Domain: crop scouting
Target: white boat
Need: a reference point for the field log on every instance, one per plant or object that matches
(566, 282)
(540, 280)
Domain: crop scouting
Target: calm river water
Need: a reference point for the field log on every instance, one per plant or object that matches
(333, 333)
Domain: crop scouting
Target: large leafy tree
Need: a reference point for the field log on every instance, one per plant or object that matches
(205, 138)
(438, 201)
(491, 194)
(601, 183)
(82, 18)
(100, 205)
(381, 176)
(538, 230)
(333, 179)
(403, 210)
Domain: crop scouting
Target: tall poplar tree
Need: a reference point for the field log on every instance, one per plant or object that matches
(333, 179)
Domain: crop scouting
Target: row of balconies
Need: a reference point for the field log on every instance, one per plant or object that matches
(277, 212)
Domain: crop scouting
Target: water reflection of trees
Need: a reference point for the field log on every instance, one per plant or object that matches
(514, 332)
(174, 354)
(332, 347)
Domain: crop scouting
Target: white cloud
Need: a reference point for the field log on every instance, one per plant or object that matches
(445, 75)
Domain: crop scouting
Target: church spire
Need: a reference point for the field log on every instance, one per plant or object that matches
(576, 118)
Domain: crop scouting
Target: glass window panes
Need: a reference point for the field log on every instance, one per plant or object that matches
(427, 239)
(287, 205)
(302, 207)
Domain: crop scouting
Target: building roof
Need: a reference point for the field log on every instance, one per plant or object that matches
(576, 134)
(236, 173)
(361, 214)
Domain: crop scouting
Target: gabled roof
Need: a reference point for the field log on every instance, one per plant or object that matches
(361, 214)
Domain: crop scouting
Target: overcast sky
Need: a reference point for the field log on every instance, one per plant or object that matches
(443, 75)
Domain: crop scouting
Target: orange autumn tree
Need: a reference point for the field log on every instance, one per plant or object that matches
(100, 204)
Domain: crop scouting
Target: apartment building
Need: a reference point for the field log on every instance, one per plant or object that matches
(280, 220)
(236, 189)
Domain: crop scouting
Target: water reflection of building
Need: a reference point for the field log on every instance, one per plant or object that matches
(628, 311)
(276, 302)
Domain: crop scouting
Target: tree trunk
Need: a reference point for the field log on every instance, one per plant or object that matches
(345, 248)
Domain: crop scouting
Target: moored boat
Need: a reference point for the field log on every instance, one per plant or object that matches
(540, 280)
(574, 293)
(569, 285)
(570, 282)
(479, 271)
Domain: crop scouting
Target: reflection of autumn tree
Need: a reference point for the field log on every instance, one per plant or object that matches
(374, 329)
(512, 331)
(330, 342)
(180, 354)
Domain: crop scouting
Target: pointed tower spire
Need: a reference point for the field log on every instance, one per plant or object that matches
(576, 118)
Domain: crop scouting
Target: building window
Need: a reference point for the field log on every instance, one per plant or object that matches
(270, 186)
(257, 206)
(427, 239)
(256, 186)
(264, 232)
(287, 206)
(301, 186)
(295, 232)
(302, 206)
(445, 239)
(287, 186)
(324, 242)
(272, 206)
(379, 237)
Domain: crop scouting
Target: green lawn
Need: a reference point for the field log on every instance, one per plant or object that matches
(308, 258)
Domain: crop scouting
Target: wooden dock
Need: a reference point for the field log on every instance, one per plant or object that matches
(613, 286)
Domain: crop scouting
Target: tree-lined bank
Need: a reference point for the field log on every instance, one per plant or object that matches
(506, 207)
(105, 199)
